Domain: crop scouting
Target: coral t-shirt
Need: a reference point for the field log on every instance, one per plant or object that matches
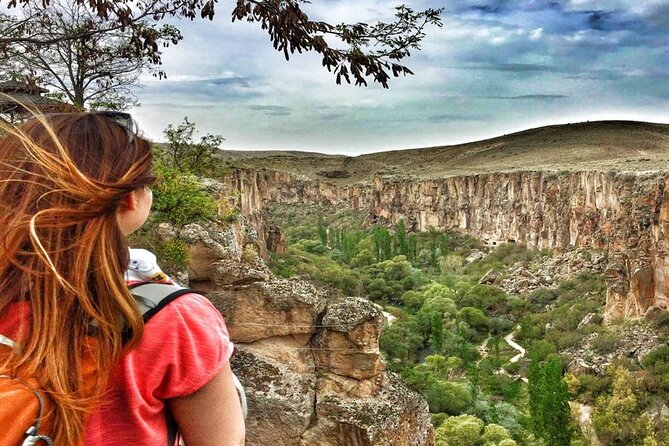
(184, 346)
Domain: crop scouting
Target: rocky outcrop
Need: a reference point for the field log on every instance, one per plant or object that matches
(624, 214)
(309, 362)
(633, 341)
(547, 271)
(275, 240)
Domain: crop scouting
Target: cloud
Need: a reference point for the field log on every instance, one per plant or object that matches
(271, 110)
(451, 117)
(331, 116)
(179, 106)
(514, 67)
(540, 97)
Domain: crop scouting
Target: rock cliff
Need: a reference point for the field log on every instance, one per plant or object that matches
(309, 362)
(624, 214)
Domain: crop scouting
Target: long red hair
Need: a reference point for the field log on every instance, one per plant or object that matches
(62, 179)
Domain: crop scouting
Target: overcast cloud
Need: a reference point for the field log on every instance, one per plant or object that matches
(497, 66)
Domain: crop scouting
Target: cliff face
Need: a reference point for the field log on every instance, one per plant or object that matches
(310, 363)
(624, 214)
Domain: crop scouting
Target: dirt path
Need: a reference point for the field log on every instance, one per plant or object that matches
(584, 413)
(483, 350)
(521, 351)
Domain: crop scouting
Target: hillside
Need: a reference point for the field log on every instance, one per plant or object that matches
(603, 145)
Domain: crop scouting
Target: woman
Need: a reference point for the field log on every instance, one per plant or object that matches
(72, 187)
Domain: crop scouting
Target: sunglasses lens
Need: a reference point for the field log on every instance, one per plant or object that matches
(124, 120)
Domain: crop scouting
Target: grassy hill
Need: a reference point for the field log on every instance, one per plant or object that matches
(601, 145)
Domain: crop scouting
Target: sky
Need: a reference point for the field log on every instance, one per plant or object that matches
(495, 67)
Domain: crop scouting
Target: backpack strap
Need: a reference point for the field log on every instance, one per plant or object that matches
(151, 297)
(4, 340)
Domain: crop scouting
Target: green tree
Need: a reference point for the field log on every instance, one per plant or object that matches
(382, 243)
(179, 198)
(363, 258)
(494, 434)
(555, 413)
(182, 152)
(534, 392)
(322, 230)
(475, 318)
(412, 247)
(484, 297)
(618, 418)
(401, 241)
(400, 341)
(437, 332)
(433, 243)
(549, 402)
(463, 430)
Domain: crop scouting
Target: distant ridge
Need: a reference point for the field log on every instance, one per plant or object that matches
(597, 145)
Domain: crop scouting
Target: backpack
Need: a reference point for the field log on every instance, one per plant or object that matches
(24, 419)
(23, 407)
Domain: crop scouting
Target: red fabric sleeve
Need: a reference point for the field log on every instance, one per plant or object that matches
(184, 346)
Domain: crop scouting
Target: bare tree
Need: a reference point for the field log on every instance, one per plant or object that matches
(93, 70)
(359, 51)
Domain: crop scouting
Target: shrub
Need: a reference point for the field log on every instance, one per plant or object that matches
(296, 233)
(401, 342)
(451, 263)
(590, 387)
(494, 433)
(413, 299)
(173, 253)
(475, 318)
(485, 297)
(464, 430)
(540, 350)
(227, 211)
(179, 198)
(447, 397)
(437, 419)
(512, 367)
(541, 297)
(605, 343)
(501, 324)
(657, 357)
(363, 258)
(311, 246)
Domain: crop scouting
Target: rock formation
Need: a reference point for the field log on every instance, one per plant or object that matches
(625, 214)
(309, 362)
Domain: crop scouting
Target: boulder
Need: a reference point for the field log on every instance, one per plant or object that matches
(268, 309)
(348, 342)
(391, 416)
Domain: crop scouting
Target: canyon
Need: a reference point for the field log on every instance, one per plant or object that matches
(309, 358)
(624, 213)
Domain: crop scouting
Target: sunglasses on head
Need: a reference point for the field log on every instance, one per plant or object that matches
(124, 120)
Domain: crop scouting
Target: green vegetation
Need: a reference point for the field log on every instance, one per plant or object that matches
(447, 341)
(549, 402)
(178, 194)
(173, 253)
(179, 199)
(183, 153)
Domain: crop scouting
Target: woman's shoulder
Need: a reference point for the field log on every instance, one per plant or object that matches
(183, 346)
